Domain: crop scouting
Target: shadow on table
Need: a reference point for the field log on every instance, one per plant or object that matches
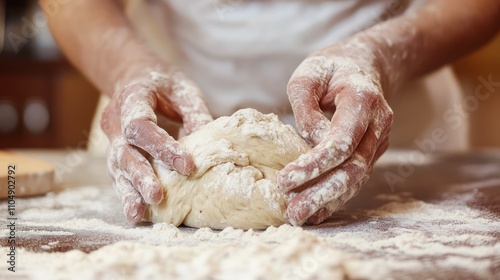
(436, 180)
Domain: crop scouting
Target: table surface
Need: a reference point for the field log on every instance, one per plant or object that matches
(449, 183)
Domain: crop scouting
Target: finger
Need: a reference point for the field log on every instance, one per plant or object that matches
(110, 121)
(309, 201)
(349, 124)
(333, 185)
(133, 205)
(140, 129)
(331, 207)
(306, 87)
(384, 125)
(186, 99)
(138, 171)
(318, 217)
(382, 148)
(382, 122)
(334, 205)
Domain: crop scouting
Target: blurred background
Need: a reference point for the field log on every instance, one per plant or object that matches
(46, 103)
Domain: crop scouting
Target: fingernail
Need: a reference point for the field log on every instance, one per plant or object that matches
(131, 212)
(181, 166)
(155, 196)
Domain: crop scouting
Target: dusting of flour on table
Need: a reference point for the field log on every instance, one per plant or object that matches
(80, 233)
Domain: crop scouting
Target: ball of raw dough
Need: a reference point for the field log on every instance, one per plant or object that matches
(237, 159)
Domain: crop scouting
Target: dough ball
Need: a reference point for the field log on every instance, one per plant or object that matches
(234, 185)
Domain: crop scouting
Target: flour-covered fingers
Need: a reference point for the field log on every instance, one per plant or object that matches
(329, 188)
(133, 204)
(321, 215)
(140, 129)
(110, 121)
(383, 124)
(311, 123)
(383, 146)
(186, 99)
(331, 207)
(349, 124)
(308, 84)
(142, 176)
(333, 185)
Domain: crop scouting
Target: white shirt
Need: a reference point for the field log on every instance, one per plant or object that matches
(243, 52)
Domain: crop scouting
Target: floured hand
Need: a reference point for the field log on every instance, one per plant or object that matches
(130, 122)
(344, 78)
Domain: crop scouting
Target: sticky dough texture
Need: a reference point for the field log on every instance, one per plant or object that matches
(234, 184)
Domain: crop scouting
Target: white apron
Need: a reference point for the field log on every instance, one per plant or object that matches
(242, 54)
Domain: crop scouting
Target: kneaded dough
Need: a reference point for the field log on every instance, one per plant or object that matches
(234, 184)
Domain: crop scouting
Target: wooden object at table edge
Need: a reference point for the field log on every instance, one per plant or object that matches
(32, 176)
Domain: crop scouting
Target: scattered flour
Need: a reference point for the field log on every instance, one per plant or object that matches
(403, 238)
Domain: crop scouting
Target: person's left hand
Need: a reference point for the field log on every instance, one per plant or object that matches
(347, 79)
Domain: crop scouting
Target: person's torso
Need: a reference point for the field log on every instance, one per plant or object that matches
(242, 53)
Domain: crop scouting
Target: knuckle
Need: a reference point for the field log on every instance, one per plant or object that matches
(312, 126)
(295, 84)
(389, 113)
(387, 116)
(372, 99)
(106, 119)
(303, 85)
(116, 152)
(343, 146)
(309, 130)
(133, 129)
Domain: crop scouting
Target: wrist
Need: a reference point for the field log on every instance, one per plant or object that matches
(143, 69)
(394, 45)
(121, 60)
(141, 75)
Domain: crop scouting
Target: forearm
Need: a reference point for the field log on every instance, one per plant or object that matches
(438, 33)
(97, 38)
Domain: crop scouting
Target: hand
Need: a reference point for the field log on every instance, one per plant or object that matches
(130, 123)
(345, 78)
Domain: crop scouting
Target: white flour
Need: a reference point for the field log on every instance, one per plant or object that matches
(403, 236)
(400, 235)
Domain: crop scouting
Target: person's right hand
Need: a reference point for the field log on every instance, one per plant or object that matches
(130, 123)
